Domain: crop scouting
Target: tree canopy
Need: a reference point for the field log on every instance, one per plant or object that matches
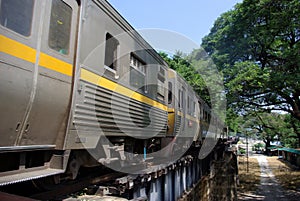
(256, 46)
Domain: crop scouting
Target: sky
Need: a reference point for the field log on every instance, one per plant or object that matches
(160, 21)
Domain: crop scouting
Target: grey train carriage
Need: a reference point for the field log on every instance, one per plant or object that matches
(75, 76)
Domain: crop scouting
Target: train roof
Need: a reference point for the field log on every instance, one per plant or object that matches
(122, 22)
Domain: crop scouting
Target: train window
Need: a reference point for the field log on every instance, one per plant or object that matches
(137, 64)
(183, 99)
(188, 105)
(179, 98)
(194, 108)
(205, 116)
(160, 84)
(137, 72)
(170, 98)
(200, 110)
(60, 27)
(17, 15)
(111, 51)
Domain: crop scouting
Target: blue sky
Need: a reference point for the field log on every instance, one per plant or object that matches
(191, 18)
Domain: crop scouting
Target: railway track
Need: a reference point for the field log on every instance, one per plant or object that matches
(150, 182)
(63, 190)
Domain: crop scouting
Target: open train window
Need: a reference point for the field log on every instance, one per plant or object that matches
(200, 110)
(137, 72)
(179, 98)
(111, 52)
(194, 108)
(160, 84)
(170, 97)
(60, 27)
(16, 15)
(188, 105)
(183, 99)
(205, 116)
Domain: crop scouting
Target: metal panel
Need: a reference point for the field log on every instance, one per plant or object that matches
(47, 118)
(114, 114)
(15, 89)
(17, 59)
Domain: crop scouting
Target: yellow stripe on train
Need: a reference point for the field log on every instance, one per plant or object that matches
(110, 85)
(55, 64)
(24, 52)
(17, 49)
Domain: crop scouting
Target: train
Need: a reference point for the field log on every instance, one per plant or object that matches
(80, 87)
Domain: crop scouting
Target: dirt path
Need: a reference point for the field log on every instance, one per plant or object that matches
(269, 189)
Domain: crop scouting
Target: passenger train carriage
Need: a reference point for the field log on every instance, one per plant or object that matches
(76, 79)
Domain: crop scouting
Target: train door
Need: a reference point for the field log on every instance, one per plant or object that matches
(184, 108)
(46, 121)
(18, 30)
(171, 102)
(200, 105)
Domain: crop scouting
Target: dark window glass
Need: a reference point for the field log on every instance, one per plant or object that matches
(179, 98)
(137, 79)
(194, 108)
(161, 75)
(60, 27)
(111, 51)
(17, 15)
(200, 110)
(170, 98)
(183, 100)
(188, 105)
(137, 72)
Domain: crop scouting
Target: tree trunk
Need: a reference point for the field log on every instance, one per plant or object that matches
(267, 141)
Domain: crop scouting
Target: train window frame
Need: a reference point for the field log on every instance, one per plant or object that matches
(137, 68)
(16, 28)
(53, 30)
(112, 46)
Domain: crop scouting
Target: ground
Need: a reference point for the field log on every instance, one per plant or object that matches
(268, 179)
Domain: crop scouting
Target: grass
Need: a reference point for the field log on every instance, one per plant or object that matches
(287, 175)
(248, 181)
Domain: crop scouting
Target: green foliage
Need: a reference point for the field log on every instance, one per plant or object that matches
(201, 74)
(258, 146)
(257, 47)
(269, 127)
(183, 66)
(242, 151)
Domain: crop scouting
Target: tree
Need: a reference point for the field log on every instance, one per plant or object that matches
(256, 46)
(201, 74)
(182, 64)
